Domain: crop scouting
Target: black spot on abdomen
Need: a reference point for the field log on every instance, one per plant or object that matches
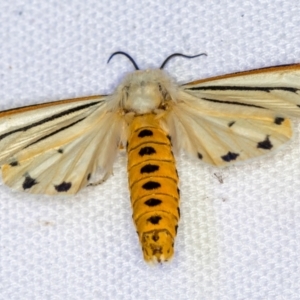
(151, 185)
(145, 132)
(153, 202)
(149, 168)
(154, 219)
(147, 151)
(155, 237)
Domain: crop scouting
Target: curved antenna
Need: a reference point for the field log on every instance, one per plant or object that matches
(125, 54)
(179, 54)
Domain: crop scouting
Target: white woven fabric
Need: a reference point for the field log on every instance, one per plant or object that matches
(238, 237)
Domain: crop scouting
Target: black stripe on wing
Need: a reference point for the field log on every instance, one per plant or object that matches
(241, 88)
(55, 132)
(49, 119)
(232, 102)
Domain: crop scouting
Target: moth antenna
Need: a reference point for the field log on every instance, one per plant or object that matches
(125, 54)
(179, 54)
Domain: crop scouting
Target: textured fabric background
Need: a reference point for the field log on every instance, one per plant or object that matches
(240, 228)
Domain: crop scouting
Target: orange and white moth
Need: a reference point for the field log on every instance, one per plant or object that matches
(59, 147)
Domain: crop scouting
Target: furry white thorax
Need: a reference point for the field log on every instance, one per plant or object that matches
(145, 91)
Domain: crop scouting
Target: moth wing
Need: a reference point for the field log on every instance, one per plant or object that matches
(58, 147)
(236, 117)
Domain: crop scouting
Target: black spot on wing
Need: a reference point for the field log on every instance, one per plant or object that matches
(60, 151)
(230, 156)
(200, 156)
(63, 187)
(149, 168)
(265, 144)
(29, 182)
(145, 132)
(14, 163)
(178, 209)
(154, 219)
(153, 202)
(231, 123)
(178, 191)
(147, 151)
(88, 177)
(278, 120)
(151, 185)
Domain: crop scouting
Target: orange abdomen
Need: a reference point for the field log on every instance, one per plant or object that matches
(153, 183)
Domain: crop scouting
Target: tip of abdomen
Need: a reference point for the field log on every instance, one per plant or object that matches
(157, 246)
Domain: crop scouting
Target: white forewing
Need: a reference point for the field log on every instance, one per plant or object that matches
(236, 117)
(275, 88)
(58, 148)
(22, 127)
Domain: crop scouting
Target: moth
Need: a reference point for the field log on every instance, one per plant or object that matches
(60, 147)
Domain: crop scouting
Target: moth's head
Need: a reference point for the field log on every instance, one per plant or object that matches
(144, 91)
